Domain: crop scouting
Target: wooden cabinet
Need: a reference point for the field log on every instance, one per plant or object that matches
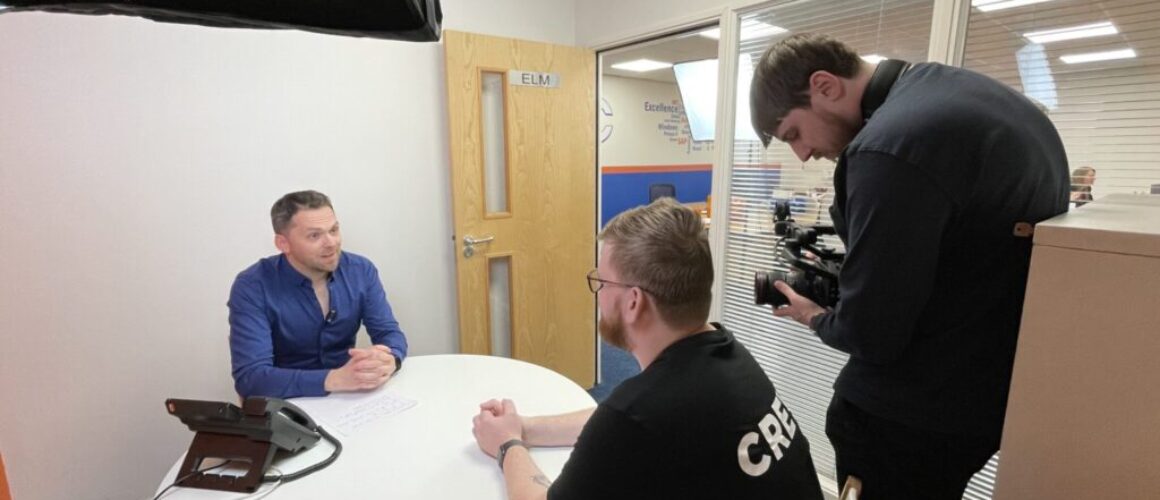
(1083, 419)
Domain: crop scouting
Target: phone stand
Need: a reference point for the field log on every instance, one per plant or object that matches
(236, 448)
(250, 435)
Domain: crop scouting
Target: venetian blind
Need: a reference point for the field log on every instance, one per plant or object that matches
(800, 366)
(1094, 67)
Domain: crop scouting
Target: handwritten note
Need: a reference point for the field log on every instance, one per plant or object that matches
(346, 413)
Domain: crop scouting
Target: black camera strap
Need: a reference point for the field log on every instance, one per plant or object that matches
(880, 83)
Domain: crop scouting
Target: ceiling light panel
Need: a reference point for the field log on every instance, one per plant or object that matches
(1072, 33)
(642, 65)
(1098, 56)
(990, 5)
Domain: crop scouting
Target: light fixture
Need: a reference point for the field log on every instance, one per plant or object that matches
(1098, 56)
(711, 33)
(1072, 33)
(642, 65)
(714, 33)
(750, 29)
(873, 58)
(990, 5)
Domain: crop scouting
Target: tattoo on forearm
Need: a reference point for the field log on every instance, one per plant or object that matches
(541, 480)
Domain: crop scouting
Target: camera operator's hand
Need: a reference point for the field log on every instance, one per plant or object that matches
(800, 309)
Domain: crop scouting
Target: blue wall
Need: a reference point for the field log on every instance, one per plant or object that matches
(624, 190)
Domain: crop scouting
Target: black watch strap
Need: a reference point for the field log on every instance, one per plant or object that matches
(503, 449)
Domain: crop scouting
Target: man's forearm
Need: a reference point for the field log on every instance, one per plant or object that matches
(283, 383)
(523, 477)
(380, 320)
(556, 430)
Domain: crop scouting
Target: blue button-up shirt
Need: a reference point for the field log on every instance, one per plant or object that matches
(281, 343)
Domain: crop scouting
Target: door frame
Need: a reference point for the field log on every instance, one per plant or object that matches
(678, 26)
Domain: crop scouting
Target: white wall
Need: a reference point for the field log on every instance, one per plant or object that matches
(596, 26)
(138, 162)
(637, 137)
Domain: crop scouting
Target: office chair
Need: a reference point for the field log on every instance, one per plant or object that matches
(852, 490)
(661, 190)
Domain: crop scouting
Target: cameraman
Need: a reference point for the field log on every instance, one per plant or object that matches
(936, 168)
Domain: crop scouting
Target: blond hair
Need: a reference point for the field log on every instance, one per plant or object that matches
(1083, 171)
(662, 248)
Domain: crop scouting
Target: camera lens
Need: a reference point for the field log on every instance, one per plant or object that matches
(764, 291)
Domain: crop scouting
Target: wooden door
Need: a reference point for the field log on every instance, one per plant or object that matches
(536, 198)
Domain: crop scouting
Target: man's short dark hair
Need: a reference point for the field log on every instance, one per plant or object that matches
(286, 206)
(781, 80)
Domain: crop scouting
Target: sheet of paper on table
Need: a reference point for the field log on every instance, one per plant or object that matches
(347, 412)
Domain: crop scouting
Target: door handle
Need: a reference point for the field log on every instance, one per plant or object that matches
(469, 244)
(468, 240)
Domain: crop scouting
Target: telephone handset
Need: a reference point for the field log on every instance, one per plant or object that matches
(251, 434)
(258, 406)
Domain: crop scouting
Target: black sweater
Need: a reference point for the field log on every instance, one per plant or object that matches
(927, 196)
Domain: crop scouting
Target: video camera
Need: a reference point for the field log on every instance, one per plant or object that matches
(815, 277)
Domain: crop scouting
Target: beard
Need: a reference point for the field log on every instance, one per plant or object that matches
(612, 331)
(843, 133)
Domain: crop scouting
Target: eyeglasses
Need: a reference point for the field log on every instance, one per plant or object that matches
(595, 284)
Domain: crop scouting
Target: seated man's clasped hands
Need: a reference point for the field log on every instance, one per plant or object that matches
(368, 368)
(499, 428)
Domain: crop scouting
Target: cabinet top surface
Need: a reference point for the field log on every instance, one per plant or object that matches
(1119, 223)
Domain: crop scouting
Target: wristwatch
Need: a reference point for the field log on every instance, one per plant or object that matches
(503, 449)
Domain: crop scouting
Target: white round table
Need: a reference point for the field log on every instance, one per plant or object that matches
(426, 451)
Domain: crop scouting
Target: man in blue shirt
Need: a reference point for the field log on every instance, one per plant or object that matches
(293, 316)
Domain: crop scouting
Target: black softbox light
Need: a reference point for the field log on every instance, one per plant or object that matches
(413, 20)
